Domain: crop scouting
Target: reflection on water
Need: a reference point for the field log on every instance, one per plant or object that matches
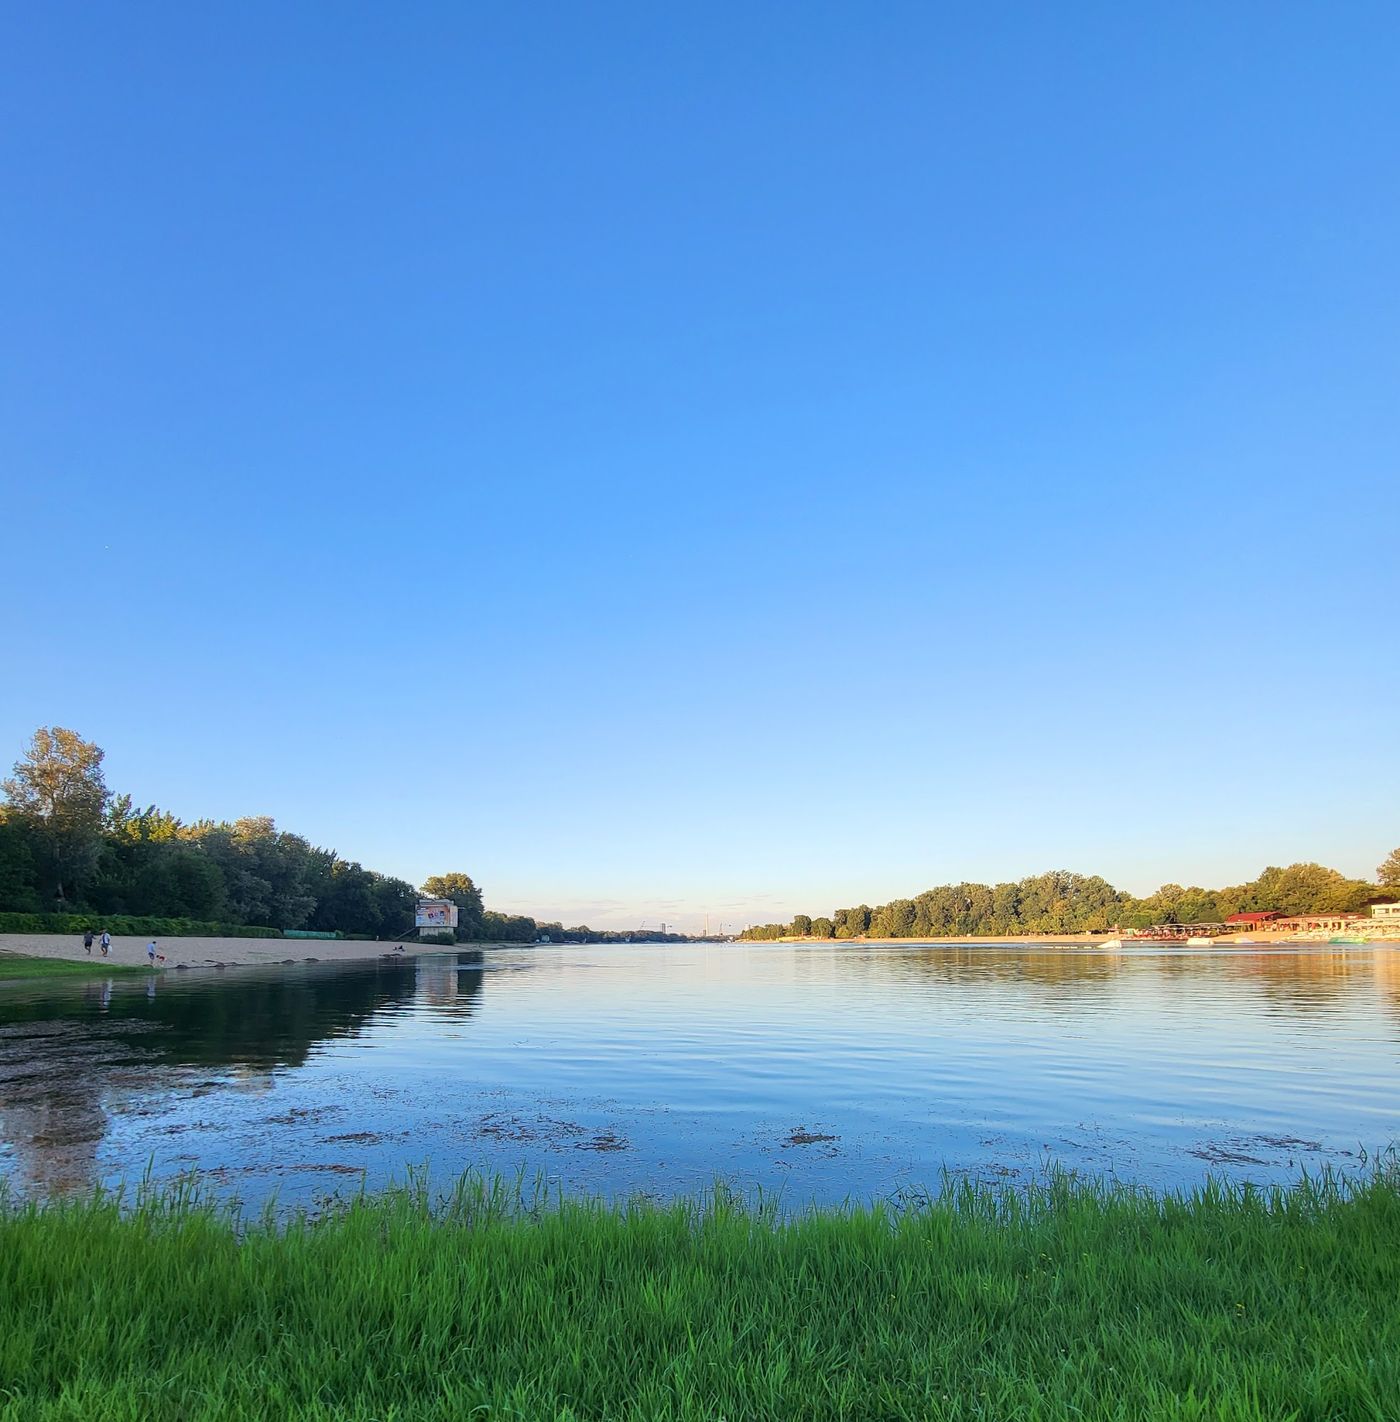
(826, 1072)
(67, 1048)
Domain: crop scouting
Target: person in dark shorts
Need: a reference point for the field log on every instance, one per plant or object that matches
(87, 942)
(105, 942)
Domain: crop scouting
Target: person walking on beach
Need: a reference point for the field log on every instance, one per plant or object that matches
(151, 952)
(87, 942)
(105, 942)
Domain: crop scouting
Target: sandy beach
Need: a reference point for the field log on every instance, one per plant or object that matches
(198, 952)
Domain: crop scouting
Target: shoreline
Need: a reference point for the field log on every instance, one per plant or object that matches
(188, 953)
(1074, 940)
(128, 951)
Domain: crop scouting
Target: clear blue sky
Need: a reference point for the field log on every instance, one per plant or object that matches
(745, 458)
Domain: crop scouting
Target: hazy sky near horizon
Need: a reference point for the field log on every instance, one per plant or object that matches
(745, 458)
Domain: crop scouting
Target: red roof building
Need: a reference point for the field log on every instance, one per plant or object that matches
(1253, 917)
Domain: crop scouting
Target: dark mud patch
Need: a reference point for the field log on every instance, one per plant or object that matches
(299, 1116)
(1242, 1150)
(604, 1141)
(1222, 1154)
(232, 1172)
(502, 1126)
(802, 1136)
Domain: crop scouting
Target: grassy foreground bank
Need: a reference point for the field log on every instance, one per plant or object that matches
(1067, 1302)
(18, 965)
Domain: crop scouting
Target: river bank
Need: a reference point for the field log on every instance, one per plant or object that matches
(182, 953)
(1061, 1301)
(202, 952)
(1382, 935)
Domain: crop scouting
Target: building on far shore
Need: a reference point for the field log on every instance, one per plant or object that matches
(1389, 912)
(1253, 920)
(1318, 922)
(1177, 932)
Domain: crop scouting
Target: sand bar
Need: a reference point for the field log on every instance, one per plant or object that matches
(198, 952)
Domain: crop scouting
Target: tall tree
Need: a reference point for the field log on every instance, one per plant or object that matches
(1389, 872)
(57, 786)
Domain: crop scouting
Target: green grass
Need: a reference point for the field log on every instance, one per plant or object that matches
(1064, 1302)
(16, 965)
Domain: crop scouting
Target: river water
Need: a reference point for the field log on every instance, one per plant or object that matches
(818, 1073)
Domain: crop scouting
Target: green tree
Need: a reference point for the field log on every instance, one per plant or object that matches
(1389, 871)
(822, 928)
(852, 922)
(345, 900)
(57, 786)
(893, 920)
(801, 926)
(1311, 888)
(18, 882)
(394, 900)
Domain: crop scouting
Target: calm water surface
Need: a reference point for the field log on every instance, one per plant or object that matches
(823, 1073)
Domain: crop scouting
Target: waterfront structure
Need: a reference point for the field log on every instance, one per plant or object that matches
(435, 915)
(1390, 913)
(1178, 932)
(1252, 920)
(1317, 922)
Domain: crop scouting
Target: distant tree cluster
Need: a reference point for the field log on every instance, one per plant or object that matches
(1389, 871)
(68, 844)
(1062, 902)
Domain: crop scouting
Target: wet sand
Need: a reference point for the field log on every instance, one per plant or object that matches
(199, 952)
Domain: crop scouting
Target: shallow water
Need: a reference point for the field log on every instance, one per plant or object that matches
(822, 1073)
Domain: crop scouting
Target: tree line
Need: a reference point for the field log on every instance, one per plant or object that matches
(1064, 902)
(69, 845)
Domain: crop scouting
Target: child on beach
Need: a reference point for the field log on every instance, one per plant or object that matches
(151, 952)
(87, 942)
(105, 942)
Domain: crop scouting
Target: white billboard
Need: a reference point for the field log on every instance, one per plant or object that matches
(435, 913)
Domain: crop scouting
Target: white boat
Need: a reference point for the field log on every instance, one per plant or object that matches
(1111, 943)
(1199, 942)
